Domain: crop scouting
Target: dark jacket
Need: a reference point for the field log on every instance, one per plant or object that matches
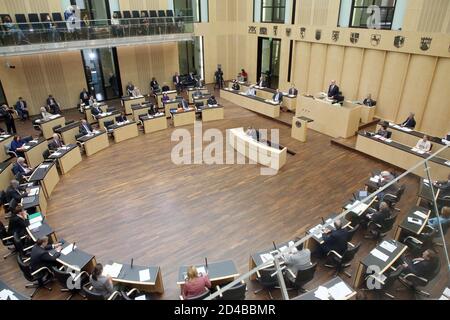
(424, 268)
(379, 216)
(336, 240)
(18, 225)
(40, 257)
(55, 144)
(333, 91)
(83, 130)
(293, 92)
(96, 111)
(409, 123)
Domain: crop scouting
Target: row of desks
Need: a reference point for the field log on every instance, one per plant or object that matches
(289, 101)
(255, 104)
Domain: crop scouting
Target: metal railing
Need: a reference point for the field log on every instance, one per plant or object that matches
(17, 34)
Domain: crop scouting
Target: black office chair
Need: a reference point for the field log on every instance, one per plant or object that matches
(88, 292)
(130, 295)
(425, 240)
(63, 277)
(302, 277)
(69, 122)
(56, 127)
(340, 263)
(126, 14)
(237, 292)
(46, 154)
(351, 231)
(389, 135)
(414, 282)
(381, 286)
(22, 21)
(267, 278)
(39, 278)
(19, 244)
(119, 14)
(379, 231)
(36, 24)
(107, 124)
(202, 296)
(7, 241)
(393, 199)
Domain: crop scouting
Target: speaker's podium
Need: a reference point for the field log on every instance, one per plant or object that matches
(300, 128)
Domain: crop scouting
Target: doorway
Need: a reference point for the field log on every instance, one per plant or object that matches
(190, 56)
(269, 60)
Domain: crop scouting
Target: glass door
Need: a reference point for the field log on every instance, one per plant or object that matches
(269, 60)
(191, 57)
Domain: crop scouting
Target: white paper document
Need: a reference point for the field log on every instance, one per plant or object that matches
(6, 294)
(43, 166)
(388, 246)
(201, 270)
(415, 221)
(322, 293)
(266, 257)
(144, 275)
(140, 298)
(378, 254)
(26, 147)
(67, 249)
(360, 207)
(56, 154)
(33, 192)
(420, 214)
(112, 270)
(35, 225)
(339, 291)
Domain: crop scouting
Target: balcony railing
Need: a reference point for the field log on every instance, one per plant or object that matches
(23, 34)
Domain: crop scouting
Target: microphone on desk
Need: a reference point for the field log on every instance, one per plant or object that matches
(274, 245)
(73, 246)
(131, 263)
(206, 264)
(323, 220)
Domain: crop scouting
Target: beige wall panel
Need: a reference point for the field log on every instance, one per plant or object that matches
(317, 67)
(232, 10)
(74, 77)
(371, 73)
(351, 72)
(241, 11)
(304, 9)
(302, 65)
(432, 15)
(221, 9)
(320, 15)
(391, 85)
(333, 69)
(417, 84)
(127, 65)
(436, 119)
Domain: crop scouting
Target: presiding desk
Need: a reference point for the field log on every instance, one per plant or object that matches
(183, 118)
(256, 104)
(172, 95)
(381, 258)
(289, 101)
(34, 152)
(331, 119)
(401, 156)
(6, 174)
(218, 272)
(35, 199)
(8, 293)
(143, 278)
(128, 101)
(410, 138)
(335, 289)
(413, 224)
(68, 157)
(257, 151)
(5, 140)
(154, 123)
(367, 113)
(77, 259)
(48, 125)
(212, 113)
(69, 132)
(94, 142)
(107, 117)
(47, 176)
(124, 130)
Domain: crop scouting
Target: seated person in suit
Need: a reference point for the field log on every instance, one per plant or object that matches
(136, 92)
(334, 240)
(251, 132)
(447, 137)
(444, 219)
(378, 217)
(21, 108)
(40, 254)
(85, 127)
(368, 101)
(165, 88)
(386, 178)
(165, 98)
(15, 191)
(278, 96)
(195, 284)
(17, 146)
(197, 94)
(235, 85)
(383, 131)
(130, 89)
(212, 101)
(121, 118)
(422, 267)
(424, 144)
(96, 110)
(154, 86)
(45, 114)
(85, 97)
(251, 91)
(101, 284)
(21, 168)
(296, 260)
(55, 143)
(443, 185)
(18, 222)
(184, 104)
(52, 105)
(333, 90)
(176, 79)
(410, 122)
(292, 90)
(262, 82)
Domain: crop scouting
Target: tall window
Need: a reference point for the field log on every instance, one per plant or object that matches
(361, 13)
(198, 9)
(273, 11)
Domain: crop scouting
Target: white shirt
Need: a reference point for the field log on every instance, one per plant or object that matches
(423, 145)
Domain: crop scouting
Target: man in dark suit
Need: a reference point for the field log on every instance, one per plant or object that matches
(423, 266)
(176, 79)
(333, 90)
(6, 114)
(14, 191)
(368, 101)
(443, 185)
(410, 122)
(85, 127)
(21, 108)
(130, 89)
(55, 143)
(293, 91)
(334, 240)
(52, 105)
(235, 85)
(20, 168)
(84, 97)
(18, 222)
(278, 96)
(40, 254)
(121, 118)
(96, 110)
(185, 104)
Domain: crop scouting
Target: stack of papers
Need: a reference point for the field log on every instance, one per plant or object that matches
(26, 147)
(112, 270)
(140, 298)
(144, 275)
(406, 129)
(388, 246)
(67, 249)
(418, 151)
(378, 254)
(420, 214)
(43, 166)
(56, 154)
(266, 257)
(54, 116)
(33, 192)
(317, 231)
(35, 225)
(322, 293)
(6, 294)
(339, 291)
(360, 207)
(375, 179)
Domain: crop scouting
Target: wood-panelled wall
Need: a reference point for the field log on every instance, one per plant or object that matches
(400, 82)
(142, 4)
(29, 6)
(37, 76)
(139, 64)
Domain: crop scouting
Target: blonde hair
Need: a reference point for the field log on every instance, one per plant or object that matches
(192, 273)
(446, 212)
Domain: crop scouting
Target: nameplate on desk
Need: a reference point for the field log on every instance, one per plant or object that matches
(388, 246)
(144, 275)
(67, 249)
